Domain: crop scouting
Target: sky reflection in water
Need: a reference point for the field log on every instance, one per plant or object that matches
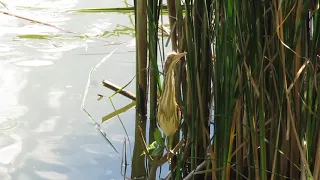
(43, 132)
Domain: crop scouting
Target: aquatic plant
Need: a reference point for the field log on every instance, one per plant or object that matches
(247, 88)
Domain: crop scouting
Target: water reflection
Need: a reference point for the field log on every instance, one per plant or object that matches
(34, 63)
(10, 147)
(12, 81)
(43, 132)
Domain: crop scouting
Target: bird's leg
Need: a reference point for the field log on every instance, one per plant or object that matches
(169, 145)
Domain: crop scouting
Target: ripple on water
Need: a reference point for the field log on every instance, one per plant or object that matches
(9, 116)
(93, 148)
(7, 123)
(53, 141)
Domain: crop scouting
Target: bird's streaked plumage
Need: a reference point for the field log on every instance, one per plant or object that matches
(168, 114)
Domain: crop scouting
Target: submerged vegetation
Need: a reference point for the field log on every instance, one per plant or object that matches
(247, 89)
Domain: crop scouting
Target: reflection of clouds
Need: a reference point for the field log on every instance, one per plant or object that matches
(11, 147)
(48, 125)
(4, 174)
(7, 123)
(8, 24)
(52, 140)
(53, 13)
(54, 98)
(40, 53)
(47, 11)
(60, 46)
(9, 111)
(47, 151)
(34, 63)
(51, 175)
(47, 154)
(5, 48)
(60, 4)
(93, 148)
(119, 138)
(28, 29)
(99, 27)
(132, 44)
(11, 82)
(55, 46)
(42, 3)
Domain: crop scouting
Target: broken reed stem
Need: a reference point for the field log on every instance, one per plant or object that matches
(119, 90)
(36, 21)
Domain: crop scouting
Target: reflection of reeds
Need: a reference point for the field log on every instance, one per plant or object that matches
(263, 84)
(96, 124)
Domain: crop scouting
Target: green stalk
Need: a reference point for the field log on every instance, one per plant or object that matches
(154, 74)
(191, 75)
(138, 161)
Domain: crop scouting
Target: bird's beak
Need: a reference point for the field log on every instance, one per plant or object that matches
(178, 56)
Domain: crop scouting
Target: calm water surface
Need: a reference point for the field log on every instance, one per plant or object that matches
(43, 132)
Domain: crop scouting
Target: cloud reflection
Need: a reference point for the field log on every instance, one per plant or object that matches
(9, 152)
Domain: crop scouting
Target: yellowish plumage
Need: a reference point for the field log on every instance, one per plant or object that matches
(168, 114)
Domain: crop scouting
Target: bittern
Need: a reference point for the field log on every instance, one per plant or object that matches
(168, 114)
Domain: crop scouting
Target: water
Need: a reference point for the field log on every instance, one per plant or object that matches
(43, 132)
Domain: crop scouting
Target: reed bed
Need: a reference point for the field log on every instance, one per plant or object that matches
(247, 89)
